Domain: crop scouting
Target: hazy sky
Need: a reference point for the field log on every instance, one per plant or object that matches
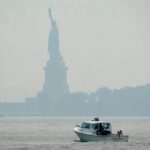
(103, 42)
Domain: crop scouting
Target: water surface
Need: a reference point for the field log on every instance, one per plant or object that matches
(56, 133)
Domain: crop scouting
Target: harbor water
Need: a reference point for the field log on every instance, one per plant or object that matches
(56, 133)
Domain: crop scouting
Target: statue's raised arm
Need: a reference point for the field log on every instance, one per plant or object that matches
(50, 14)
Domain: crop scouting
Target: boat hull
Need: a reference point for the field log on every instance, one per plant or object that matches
(112, 137)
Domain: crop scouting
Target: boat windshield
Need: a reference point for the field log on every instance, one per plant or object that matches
(85, 125)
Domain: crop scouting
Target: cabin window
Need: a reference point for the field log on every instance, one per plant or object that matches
(106, 125)
(95, 126)
(85, 125)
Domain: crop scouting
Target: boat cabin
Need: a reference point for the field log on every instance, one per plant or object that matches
(97, 127)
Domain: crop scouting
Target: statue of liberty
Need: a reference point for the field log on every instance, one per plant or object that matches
(55, 70)
(53, 40)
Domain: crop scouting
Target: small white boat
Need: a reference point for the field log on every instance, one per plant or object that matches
(96, 130)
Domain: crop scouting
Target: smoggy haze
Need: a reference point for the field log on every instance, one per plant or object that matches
(103, 43)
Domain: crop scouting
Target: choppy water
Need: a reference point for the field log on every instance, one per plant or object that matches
(57, 134)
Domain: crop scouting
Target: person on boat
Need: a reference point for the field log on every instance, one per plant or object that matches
(119, 133)
(100, 129)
